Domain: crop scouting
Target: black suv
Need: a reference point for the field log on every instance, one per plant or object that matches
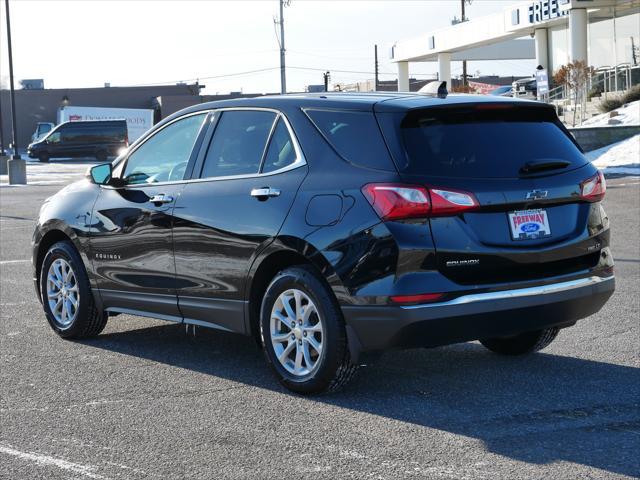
(333, 225)
(94, 138)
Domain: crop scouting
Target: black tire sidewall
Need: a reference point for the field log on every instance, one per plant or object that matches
(66, 251)
(333, 342)
(522, 344)
(43, 157)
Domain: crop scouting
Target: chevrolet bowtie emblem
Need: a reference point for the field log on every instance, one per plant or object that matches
(534, 194)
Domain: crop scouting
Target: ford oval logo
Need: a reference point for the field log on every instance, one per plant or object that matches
(530, 227)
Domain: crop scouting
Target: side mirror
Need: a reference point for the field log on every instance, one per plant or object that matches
(101, 174)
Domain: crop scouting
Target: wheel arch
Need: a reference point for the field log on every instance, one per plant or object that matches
(281, 254)
(53, 235)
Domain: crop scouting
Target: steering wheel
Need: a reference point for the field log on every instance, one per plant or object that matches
(176, 170)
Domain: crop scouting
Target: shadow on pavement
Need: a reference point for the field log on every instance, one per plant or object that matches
(537, 409)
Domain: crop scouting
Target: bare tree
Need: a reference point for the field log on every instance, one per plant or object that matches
(574, 76)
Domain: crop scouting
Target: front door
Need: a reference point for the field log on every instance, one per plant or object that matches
(249, 176)
(132, 249)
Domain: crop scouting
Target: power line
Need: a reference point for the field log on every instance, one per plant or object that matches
(270, 69)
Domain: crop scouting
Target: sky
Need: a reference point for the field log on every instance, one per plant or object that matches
(85, 43)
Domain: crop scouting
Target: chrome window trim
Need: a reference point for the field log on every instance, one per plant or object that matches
(300, 160)
(153, 134)
(516, 293)
(268, 143)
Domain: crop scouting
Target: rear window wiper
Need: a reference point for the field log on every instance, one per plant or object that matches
(542, 165)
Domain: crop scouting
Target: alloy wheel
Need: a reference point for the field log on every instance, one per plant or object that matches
(63, 295)
(297, 332)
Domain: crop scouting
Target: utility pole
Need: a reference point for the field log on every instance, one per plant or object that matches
(464, 62)
(375, 53)
(1, 133)
(327, 77)
(12, 103)
(17, 168)
(283, 74)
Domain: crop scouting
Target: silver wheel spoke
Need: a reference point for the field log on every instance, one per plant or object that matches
(307, 313)
(57, 271)
(68, 274)
(314, 344)
(298, 303)
(281, 338)
(280, 318)
(285, 353)
(74, 301)
(314, 328)
(287, 307)
(307, 355)
(298, 365)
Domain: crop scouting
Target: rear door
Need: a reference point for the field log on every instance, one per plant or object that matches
(244, 185)
(525, 173)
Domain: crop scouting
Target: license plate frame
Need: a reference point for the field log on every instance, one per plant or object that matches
(530, 224)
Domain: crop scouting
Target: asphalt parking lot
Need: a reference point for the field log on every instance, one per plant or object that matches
(147, 400)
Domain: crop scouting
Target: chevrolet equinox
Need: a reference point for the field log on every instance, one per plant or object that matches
(330, 226)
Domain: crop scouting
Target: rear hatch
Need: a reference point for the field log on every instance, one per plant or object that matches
(525, 176)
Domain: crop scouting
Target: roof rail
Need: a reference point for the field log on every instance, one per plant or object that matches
(437, 88)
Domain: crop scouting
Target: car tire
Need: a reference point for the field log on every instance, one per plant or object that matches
(523, 343)
(102, 156)
(43, 157)
(318, 325)
(59, 289)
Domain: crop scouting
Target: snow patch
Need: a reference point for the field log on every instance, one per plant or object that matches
(618, 158)
(628, 114)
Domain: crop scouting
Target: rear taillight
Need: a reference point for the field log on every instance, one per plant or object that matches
(393, 201)
(593, 188)
(451, 202)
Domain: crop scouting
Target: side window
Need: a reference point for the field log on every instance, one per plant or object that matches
(238, 143)
(68, 135)
(280, 152)
(164, 156)
(54, 137)
(355, 136)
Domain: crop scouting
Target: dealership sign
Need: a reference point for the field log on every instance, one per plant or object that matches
(543, 10)
(542, 82)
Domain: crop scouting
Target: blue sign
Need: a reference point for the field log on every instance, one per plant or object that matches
(543, 10)
(542, 82)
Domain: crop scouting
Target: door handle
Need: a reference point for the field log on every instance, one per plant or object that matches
(265, 192)
(161, 199)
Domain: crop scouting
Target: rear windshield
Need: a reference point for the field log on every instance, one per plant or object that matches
(484, 141)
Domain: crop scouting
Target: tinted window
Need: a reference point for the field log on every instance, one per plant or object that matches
(164, 156)
(42, 129)
(280, 152)
(355, 136)
(238, 143)
(482, 142)
(90, 134)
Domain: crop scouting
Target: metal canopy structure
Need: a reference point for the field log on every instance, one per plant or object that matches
(503, 36)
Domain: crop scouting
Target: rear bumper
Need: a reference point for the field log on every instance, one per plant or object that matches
(475, 316)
